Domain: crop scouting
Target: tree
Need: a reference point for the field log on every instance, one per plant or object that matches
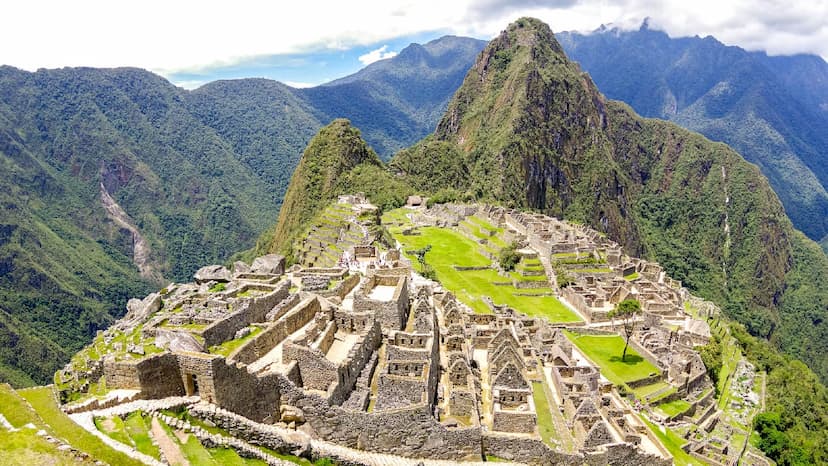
(425, 268)
(627, 310)
(509, 257)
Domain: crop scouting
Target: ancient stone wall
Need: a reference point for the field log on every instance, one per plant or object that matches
(197, 374)
(254, 397)
(462, 402)
(513, 421)
(266, 340)
(525, 449)
(247, 312)
(412, 432)
(391, 314)
(317, 372)
(160, 376)
(121, 374)
(342, 288)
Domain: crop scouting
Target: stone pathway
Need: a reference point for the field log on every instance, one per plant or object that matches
(168, 447)
(86, 420)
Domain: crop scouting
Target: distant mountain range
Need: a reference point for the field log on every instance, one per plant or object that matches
(773, 110)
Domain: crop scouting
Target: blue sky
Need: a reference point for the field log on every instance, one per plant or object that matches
(312, 41)
(304, 69)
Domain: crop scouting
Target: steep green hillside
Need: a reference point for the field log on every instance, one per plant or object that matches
(336, 161)
(72, 139)
(534, 132)
(772, 110)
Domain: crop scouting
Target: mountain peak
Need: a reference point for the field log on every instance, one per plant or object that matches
(331, 154)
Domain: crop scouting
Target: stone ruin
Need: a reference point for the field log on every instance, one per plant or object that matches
(384, 360)
(363, 357)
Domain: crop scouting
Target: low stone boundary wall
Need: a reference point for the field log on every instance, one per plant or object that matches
(592, 331)
(467, 268)
(253, 310)
(647, 380)
(342, 288)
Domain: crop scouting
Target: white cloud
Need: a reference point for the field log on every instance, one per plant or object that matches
(190, 84)
(300, 84)
(189, 35)
(376, 55)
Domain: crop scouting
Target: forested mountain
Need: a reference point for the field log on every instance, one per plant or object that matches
(772, 110)
(529, 129)
(197, 175)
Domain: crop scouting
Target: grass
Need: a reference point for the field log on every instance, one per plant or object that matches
(45, 404)
(673, 443)
(631, 276)
(138, 430)
(674, 408)
(226, 349)
(605, 351)
(218, 287)
(647, 390)
(25, 447)
(546, 427)
(449, 248)
(117, 431)
(14, 408)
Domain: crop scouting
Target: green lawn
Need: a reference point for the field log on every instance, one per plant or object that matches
(546, 427)
(606, 352)
(675, 407)
(113, 427)
(647, 390)
(449, 248)
(673, 443)
(226, 348)
(137, 427)
(44, 402)
(25, 447)
(14, 408)
(631, 276)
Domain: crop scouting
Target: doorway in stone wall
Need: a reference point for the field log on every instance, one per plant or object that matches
(191, 384)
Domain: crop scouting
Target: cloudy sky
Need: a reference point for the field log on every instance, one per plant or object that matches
(308, 42)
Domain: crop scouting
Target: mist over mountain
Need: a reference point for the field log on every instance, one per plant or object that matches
(772, 110)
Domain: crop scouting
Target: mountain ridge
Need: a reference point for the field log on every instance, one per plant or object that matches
(772, 109)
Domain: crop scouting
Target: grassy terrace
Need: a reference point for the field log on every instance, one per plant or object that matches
(546, 427)
(605, 351)
(450, 248)
(673, 442)
(675, 407)
(43, 400)
(226, 348)
(196, 454)
(25, 446)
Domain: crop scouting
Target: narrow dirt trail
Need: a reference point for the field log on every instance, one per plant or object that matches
(171, 451)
